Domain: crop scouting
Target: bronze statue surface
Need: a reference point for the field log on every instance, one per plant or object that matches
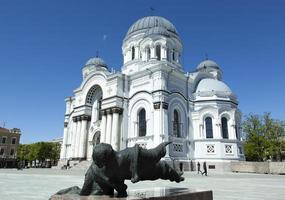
(110, 169)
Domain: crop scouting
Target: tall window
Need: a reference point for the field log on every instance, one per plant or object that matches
(173, 55)
(133, 53)
(209, 127)
(142, 123)
(158, 52)
(100, 108)
(147, 53)
(225, 128)
(176, 124)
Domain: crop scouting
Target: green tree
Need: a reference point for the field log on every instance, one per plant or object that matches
(40, 151)
(264, 137)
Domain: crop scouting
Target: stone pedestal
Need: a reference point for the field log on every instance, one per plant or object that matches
(159, 193)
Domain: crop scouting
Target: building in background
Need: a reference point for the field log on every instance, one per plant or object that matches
(9, 141)
(153, 100)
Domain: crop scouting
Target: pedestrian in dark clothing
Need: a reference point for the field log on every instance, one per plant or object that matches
(205, 169)
(199, 169)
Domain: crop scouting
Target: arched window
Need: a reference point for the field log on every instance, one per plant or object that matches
(133, 53)
(158, 52)
(176, 124)
(96, 138)
(94, 99)
(209, 127)
(173, 54)
(147, 53)
(142, 123)
(225, 128)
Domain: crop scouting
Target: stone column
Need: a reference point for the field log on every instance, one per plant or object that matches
(109, 126)
(232, 132)
(78, 134)
(83, 137)
(73, 142)
(157, 125)
(201, 129)
(137, 56)
(163, 53)
(116, 129)
(152, 53)
(218, 131)
(94, 116)
(165, 125)
(103, 126)
(64, 142)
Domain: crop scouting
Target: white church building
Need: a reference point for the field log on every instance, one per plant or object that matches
(153, 100)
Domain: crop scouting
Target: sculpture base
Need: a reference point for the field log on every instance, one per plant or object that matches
(155, 194)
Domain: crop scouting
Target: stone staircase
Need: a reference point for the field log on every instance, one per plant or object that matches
(83, 165)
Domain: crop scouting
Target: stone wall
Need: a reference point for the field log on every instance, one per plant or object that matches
(277, 167)
(259, 167)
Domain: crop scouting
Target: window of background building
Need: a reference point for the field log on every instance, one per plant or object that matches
(4, 139)
(12, 152)
(2, 152)
(13, 141)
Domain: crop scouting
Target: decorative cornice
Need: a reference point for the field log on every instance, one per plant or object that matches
(81, 117)
(65, 124)
(165, 105)
(216, 100)
(117, 110)
(103, 112)
(85, 105)
(156, 105)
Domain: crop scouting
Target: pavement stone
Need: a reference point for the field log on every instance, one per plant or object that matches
(40, 184)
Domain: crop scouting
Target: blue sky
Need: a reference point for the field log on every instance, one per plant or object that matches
(44, 45)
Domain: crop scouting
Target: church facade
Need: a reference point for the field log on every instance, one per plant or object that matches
(153, 100)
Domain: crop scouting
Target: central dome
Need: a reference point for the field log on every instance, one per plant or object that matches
(146, 23)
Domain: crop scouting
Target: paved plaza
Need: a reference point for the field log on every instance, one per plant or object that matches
(42, 183)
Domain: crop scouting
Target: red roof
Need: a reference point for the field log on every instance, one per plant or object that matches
(4, 129)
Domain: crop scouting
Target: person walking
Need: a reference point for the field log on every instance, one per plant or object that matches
(199, 168)
(205, 169)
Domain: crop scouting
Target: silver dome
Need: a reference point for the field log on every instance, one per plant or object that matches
(145, 24)
(208, 64)
(97, 62)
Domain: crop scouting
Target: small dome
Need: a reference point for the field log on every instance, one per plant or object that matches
(210, 85)
(146, 23)
(97, 62)
(208, 64)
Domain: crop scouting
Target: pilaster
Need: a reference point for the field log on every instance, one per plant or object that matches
(109, 126)
(103, 127)
(115, 140)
